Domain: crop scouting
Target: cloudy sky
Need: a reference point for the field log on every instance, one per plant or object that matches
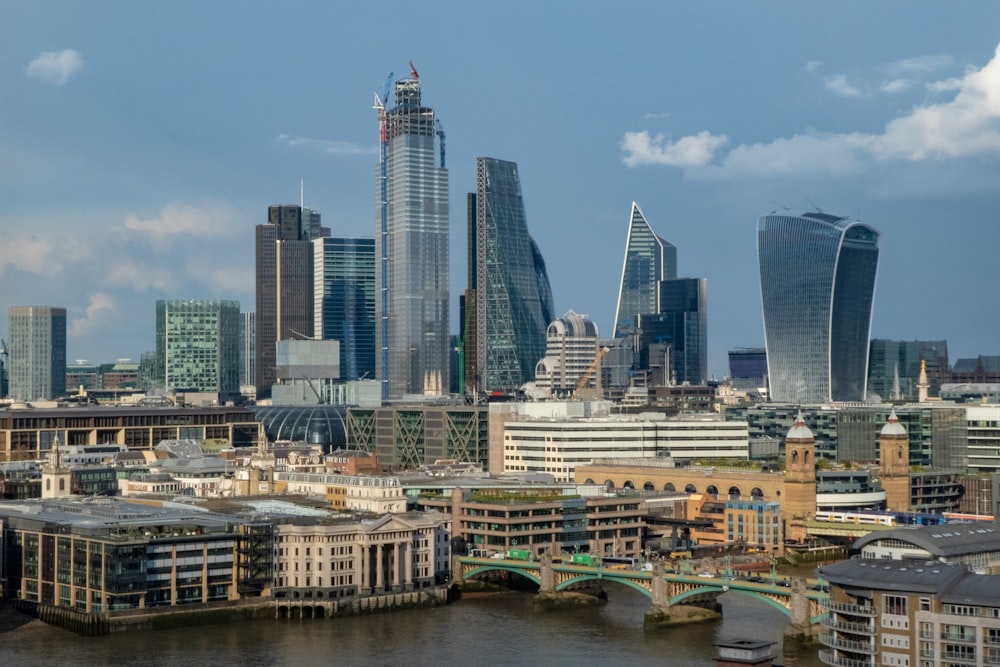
(141, 142)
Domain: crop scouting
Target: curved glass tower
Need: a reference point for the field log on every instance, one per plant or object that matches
(648, 260)
(513, 299)
(817, 284)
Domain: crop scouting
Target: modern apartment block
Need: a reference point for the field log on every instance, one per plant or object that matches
(37, 352)
(411, 248)
(648, 260)
(344, 307)
(817, 282)
(509, 292)
(198, 345)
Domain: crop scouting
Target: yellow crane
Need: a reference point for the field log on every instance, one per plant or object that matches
(590, 371)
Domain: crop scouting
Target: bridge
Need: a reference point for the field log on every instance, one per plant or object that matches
(797, 598)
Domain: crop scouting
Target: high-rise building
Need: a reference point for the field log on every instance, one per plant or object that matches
(894, 367)
(513, 299)
(198, 345)
(817, 283)
(748, 367)
(411, 246)
(37, 353)
(248, 346)
(680, 330)
(344, 295)
(648, 260)
(571, 355)
(284, 264)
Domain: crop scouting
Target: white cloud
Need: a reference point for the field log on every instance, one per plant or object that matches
(896, 86)
(813, 65)
(55, 67)
(838, 85)
(663, 115)
(691, 151)
(921, 64)
(180, 220)
(100, 308)
(945, 85)
(140, 277)
(329, 146)
(966, 126)
(29, 254)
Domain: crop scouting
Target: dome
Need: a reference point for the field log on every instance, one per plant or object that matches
(324, 425)
(893, 427)
(799, 430)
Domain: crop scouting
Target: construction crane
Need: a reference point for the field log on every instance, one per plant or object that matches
(590, 372)
(413, 72)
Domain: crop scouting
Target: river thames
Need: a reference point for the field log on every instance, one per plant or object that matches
(498, 629)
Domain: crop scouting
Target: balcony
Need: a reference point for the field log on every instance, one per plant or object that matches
(829, 658)
(868, 647)
(848, 626)
(851, 609)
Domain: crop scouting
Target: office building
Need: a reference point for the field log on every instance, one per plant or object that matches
(748, 367)
(248, 349)
(513, 299)
(411, 247)
(894, 367)
(284, 274)
(817, 283)
(344, 307)
(571, 356)
(198, 345)
(676, 338)
(37, 353)
(648, 260)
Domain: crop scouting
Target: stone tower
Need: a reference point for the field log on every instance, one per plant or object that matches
(799, 502)
(894, 464)
(56, 477)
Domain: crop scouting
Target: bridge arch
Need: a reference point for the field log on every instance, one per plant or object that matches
(702, 590)
(528, 574)
(591, 577)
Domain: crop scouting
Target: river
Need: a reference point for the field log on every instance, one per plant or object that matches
(498, 629)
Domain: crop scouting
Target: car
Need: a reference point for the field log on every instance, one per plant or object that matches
(707, 574)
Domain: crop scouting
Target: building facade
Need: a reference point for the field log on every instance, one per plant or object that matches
(512, 297)
(344, 293)
(37, 352)
(411, 247)
(894, 367)
(248, 347)
(817, 281)
(571, 348)
(284, 282)
(648, 260)
(198, 345)
(676, 337)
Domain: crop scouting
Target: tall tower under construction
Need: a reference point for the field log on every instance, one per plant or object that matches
(411, 247)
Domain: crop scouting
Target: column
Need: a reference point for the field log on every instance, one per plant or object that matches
(379, 570)
(396, 562)
(408, 566)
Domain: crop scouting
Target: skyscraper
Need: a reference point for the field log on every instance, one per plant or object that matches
(284, 263)
(681, 324)
(648, 260)
(817, 283)
(411, 246)
(198, 345)
(248, 344)
(513, 299)
(37, 353)
(344, 292)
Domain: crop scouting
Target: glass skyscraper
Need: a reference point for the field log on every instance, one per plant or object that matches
(198, 345)
(411, 247)
(679, 330)
(344, 274)
(512, 297)
(648, 260)
(37, 353)
(817, 283)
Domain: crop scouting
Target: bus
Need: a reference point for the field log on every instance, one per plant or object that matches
(619, 562)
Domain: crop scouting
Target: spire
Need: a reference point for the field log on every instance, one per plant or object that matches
(896, 394)
(922, 384)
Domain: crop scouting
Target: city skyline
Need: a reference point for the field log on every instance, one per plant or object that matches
(129, 163)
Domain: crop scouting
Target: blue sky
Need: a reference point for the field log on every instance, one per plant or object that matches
(140, 142)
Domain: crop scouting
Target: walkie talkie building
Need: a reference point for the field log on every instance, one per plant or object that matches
(817, 284)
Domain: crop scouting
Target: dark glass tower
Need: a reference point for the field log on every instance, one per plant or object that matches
(817, 283)
(411, 247)
(680, 329)
(344, 272)
(509, 287)
(284, 263)
(648, 260)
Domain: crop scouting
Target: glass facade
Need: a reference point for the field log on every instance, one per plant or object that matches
(411, 244)
(344, 292)
(817, 281)
(894, 367)
(681, 325)
(37, 352)
(648, 260)
(198, 345)
(513, 299)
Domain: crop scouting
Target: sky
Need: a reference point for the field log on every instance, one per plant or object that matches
(141, 142)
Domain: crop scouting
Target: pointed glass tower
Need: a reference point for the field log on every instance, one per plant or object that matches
(648, 260)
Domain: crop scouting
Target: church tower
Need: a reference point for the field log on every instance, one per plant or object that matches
(56, 477)
(894, 464)
(799, 502)
(923, 385)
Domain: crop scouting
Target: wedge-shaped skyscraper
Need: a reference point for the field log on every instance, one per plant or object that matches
(648, 260)
(510, 287)
(817, 284)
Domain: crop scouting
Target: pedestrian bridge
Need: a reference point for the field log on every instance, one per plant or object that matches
(797, 598)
